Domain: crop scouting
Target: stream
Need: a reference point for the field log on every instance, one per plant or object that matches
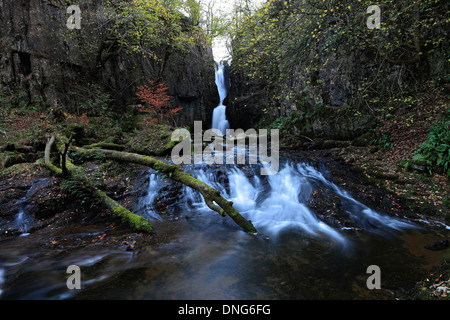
(304, 251)
(204, 256)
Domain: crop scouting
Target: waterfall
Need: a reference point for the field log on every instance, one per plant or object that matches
(2, 280)
(219, 120)
(24, 220)
(280, 202)
(146, 202)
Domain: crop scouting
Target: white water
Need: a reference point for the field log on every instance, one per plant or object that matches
(24, 220)
(279, 202)
(219, 120)
(359, 213)
(146, 203)
(273, 203)
(2, 280)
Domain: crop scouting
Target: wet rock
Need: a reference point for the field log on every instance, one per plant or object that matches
(418, 167)
(328, 208)
(9, 196)
(116, 190)
(438, 245)
(46, 199)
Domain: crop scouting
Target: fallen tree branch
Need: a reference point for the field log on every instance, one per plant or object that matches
(212, 196)
(137, 222)
(105, 145)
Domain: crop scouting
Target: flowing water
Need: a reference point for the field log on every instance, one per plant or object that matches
(200, 255)
(24, 220)
(209, 257)
(219, 120)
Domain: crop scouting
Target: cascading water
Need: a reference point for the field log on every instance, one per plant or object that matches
(146, 202)
(280, 202)
(358, 212)
(24, 220)
(219, 120)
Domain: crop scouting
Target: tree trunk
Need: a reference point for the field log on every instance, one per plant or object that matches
(137, 222)
(211, 195)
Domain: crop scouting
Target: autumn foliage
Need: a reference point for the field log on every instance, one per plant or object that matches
(156, 103)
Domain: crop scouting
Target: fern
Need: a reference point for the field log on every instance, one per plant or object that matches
(436, 149)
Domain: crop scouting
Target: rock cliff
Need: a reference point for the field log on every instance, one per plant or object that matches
(44, 61)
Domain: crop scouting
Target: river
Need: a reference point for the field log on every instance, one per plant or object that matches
(201, 255)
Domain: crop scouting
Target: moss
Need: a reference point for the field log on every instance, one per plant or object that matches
(154, 140)
(364, 139)
(446, 202)
(170, 145)
(20, 169)
(10, 158)
(175, 173)
(383, 176)
(136, 222)
(54, 169)
(105, 145)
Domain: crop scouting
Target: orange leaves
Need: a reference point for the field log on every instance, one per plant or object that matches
(157, 102)
(154, 96)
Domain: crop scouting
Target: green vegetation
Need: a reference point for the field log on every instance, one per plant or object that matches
(383, 141)
(152, 140)
(306, 39)
(435, 151)
(77, 190)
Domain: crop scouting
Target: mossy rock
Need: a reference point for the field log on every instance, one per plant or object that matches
(364, 139)
(335, 123)
(47, 200)
(10, 158)
(78, 133)
(155, 140)
(419, 164)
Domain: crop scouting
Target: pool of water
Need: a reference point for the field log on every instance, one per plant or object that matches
(211, 259)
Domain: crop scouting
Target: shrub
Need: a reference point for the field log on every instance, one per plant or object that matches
(152, 140)
(77, 190)
(436, 149)
(157, 103)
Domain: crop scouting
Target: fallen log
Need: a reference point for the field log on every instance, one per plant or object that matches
(136, 222)
(212, 196)
(105, 145)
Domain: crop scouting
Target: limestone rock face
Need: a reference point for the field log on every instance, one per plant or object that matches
(325, 95)
(43, 60)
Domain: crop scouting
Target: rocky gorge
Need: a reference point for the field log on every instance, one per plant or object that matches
(353, 190)
(43, 62)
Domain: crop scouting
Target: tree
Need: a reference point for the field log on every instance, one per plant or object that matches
(153, 28)
(212, 196)
(215, 21)
(156, 100)
(283, 36)
(68, 168)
